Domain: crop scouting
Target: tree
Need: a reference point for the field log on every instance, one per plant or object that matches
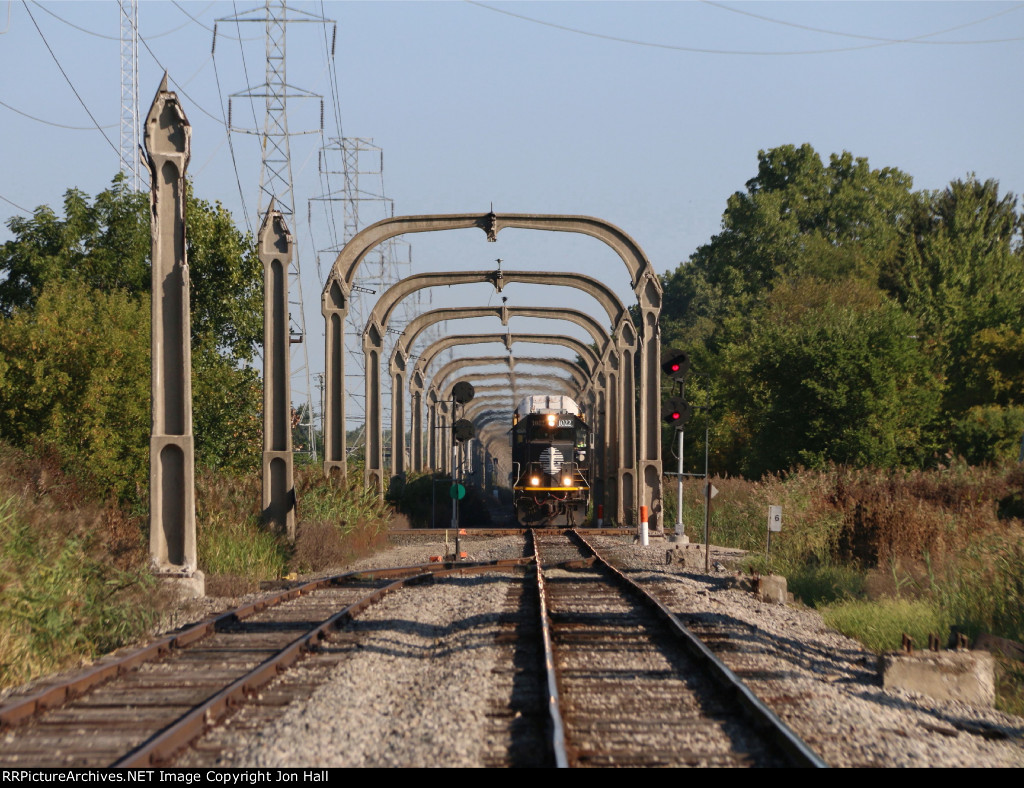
(74, 376)
(830, 373)
(106, 245)
(74, 336)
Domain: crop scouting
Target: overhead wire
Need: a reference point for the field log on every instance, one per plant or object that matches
(912, 39)
(52, 123)
(101, 35)
(245, 68)
(70, 83)
(206, 27)
(709, 51)
(179, 87)
(12, 202)
(231, 146)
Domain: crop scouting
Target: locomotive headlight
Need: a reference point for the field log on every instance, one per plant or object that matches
(552, 419)
(567, 481)
(535, 481)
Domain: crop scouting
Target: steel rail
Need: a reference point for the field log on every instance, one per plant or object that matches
(164, 744)
(798, 752)
(554, 711)
(21, 710)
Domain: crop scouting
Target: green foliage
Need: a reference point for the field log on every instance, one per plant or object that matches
(825, 375)
(61, 598)
(74, 375)
(989, 433)
(105, 245)
(74, 337)
(987, 593)
(841, 317)
(880, 624)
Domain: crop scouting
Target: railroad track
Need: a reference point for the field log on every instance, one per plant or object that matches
(143, 707)
(628, 685)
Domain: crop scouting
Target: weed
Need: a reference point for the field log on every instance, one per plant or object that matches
(880, 624)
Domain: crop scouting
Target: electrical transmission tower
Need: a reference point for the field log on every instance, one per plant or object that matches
(360, 165)
(276, 177)
(131, 164)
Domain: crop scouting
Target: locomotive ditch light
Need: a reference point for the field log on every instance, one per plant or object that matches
(676, 411)
(567, 481)
(535, 481)
(675, 363)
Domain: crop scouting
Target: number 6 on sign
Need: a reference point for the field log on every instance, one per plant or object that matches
(775, 518)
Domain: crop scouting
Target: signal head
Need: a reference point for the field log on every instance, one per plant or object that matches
(463, 430)
(676, 411)
(675, 363)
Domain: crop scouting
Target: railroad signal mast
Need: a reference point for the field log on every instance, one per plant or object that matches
(676, 411)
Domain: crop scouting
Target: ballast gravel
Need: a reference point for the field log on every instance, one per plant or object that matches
(413, 681)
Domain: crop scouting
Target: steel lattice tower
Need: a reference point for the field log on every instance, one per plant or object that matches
(360, 163)
(129, 148)
(276, 176)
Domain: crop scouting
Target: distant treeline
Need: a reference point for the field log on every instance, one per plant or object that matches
(840, 316)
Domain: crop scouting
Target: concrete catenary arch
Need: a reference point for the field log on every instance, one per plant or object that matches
(400, 357)
(615, 355)
(589, 365)
(437, 421)
(643, 278)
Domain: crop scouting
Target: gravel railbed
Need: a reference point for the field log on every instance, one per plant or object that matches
(414, 681)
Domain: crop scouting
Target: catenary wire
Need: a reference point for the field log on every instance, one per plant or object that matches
(51, 123)
(206, 27)
(12, 202)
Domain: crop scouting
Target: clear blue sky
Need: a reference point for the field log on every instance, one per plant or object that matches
(648, 115)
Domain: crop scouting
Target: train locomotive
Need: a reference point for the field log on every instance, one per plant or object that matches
(551, 462)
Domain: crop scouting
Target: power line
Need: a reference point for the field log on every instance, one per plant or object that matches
(41, 7)
(68, 80)
(178, 86)
(206, 27)
(51, 123)
(231, 147)
(706, 51)
(25, 210)
(912, 39)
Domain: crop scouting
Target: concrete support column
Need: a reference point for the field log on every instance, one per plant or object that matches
(626, 506)
(373, 343)
(334, 308)
(398, 377)
(432, 425)
(274, 246)
(172, 517)
(416, 424)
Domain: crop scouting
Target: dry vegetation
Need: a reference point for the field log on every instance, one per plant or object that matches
(887, 552)
(74, 573)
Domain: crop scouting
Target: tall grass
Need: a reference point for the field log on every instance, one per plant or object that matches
(879, 550)
(61, 598)
(236, 550)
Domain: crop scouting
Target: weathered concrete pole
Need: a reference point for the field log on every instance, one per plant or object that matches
(274, 247)
(172, 501)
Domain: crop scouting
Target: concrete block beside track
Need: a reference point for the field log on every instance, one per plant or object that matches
(967, 676)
